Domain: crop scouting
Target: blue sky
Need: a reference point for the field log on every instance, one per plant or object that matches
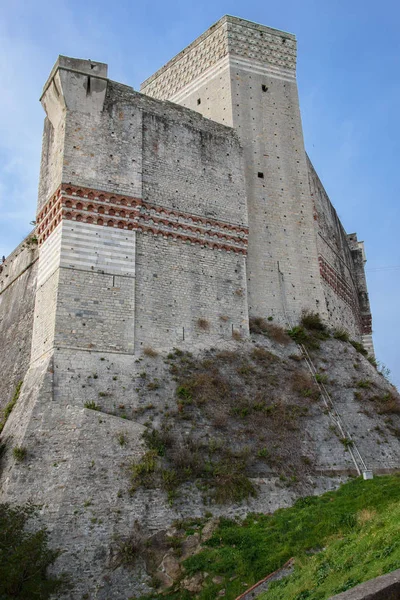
(349, 85)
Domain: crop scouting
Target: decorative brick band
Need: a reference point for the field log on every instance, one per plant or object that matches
(366, 323)
(125, 212)
(344, 291)
(336, 282)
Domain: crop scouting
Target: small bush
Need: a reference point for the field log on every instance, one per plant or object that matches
(258, 325)
(25, 557)
(312, 320)
(230, 482)
(298, 334)
(388, 404)
(262, 326)
(122, 439)
(10, 405)
(150, 352)
(158, 440)
(92, 405)
(363, 383)
(346, 442)
(142, 471)
(184, 393)
(19, 453)
(306, 338)
(321, 378)
(341, 334)
(359, 347)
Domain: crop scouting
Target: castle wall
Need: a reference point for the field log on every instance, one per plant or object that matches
(147, 229)
(17, 296)
(341, 266)
(243, 75)
(178, 285)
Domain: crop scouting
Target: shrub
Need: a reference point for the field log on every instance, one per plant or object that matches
(92, 405)
(298, 334)
(359, 347)
(158, 440)
(347, 443)
(341, 334)
(363, 383)
(258, 325)
(19, 453)
(142, 471)
(122, 439)
(389, 403)
(10, 405)
(230, 482)
(25, 557)
(308, 339)
(261, 326)
(312, 320)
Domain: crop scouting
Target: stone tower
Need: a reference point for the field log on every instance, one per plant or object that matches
(243, 75)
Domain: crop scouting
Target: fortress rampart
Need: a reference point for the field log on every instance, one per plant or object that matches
(168, 218)
(173, 215)
(244, 75)
(164, 222)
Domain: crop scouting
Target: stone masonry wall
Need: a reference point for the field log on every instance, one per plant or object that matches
(253, 89)
(133, 166)
(17, 296)
(338, 269)
(178, 285)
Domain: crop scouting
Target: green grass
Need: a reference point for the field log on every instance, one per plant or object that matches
(338, 540)
(10, 405)
(372, 549)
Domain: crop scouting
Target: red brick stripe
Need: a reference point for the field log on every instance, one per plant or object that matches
(125, 212)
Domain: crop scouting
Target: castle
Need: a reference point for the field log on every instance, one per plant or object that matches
(193, 199)
(165, 217)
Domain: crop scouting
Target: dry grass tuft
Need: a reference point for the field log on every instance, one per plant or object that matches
(278, 334)
(150, 352)
(304, 384)
(274, 332)
(203, 324)
(365, 515)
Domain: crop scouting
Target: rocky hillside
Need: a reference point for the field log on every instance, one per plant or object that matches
(119, 450)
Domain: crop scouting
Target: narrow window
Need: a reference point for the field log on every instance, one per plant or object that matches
(261, 175)
(264, 88)
(198, 100)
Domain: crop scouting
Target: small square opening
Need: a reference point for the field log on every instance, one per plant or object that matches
(198, 100)
(264, 88)
(261, 175)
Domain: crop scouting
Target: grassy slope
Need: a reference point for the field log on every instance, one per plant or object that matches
(338, 539)
(372, 549)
